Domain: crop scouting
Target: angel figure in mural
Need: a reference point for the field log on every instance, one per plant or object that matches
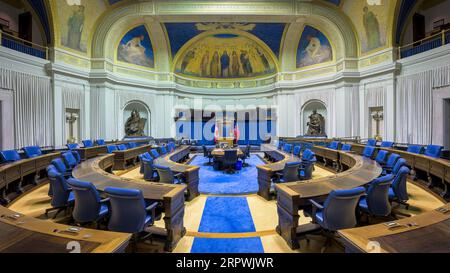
(264, 60)
(372, 27)
(316, 124)
(246, 65)
(187, 59)
(134, 52)
(204, 65)
(75, 26)
(235, 66)
(215, 65)
(225, 64)
(135, 125)
(315, 53)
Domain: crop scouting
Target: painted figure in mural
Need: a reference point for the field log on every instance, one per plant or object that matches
(315, 53)
(264, 60)
(372, 27)
(204, 65)
(135, 125)
(187, 59)
(215, 65)
(235, 64)
(246, 65)
(134, 52)
(75, 26)
(225, 64)
(316, 124)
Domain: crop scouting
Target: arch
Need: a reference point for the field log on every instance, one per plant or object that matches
(143, 110)
(306, 111)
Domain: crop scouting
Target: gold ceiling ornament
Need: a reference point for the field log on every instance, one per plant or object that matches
(216, 26)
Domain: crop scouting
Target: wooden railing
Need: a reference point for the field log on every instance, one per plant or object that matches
(434, 41)
(24, 46)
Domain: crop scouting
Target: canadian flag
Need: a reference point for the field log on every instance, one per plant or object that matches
(216, 134)
(237, 132)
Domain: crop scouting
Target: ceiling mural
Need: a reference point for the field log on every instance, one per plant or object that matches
(314, 48)
(136, 48)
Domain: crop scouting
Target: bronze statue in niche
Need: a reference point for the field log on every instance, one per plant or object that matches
(134, 127)
(316, 124)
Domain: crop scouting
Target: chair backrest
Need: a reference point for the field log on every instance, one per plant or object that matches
(77, 156)
(390, 163)
(165, 174)
(308, 155)
(9, 156)
(416, 149)
(230, 157)
(131, 145)
(48, 169)
(147, 168)
(433, 151)
(100, 142)
(280, 145)
(73, 146)
(287, 148)
(387, 144)
(127, 210)
(205, 151)
(32, 151)
(154, 153)
(334, 145)
(122, 147)
(87, 201)
(297, 150)
(59, 165)
(401, 162)
(163, 150)
(346, 147)
(70, 160)
(340, 209)
(145, 155)
(290, 171)
(60, 191)
(111, 148)
(88, 143)
(372, 142)
(369, 151)
(381, 156)
(399, 184)
(378, 196)
(248, 149)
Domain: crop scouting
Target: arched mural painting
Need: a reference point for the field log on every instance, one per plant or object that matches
(314, 48)
(136, 48)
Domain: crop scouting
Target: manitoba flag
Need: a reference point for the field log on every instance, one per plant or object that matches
(237, 132)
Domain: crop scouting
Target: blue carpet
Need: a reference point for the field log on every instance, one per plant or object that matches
(226, 215)
(238, 245)
(217, 182)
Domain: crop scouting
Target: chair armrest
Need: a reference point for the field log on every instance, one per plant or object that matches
(152, 210)
(106, 200)
(315, 204)
(178, 175)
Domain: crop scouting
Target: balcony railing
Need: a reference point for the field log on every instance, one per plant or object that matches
(429, 43)
(24, 46)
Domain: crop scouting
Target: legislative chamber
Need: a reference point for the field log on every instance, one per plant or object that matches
(224, 127)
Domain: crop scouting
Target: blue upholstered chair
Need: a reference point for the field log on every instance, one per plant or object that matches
(307, 165)
(309, 155)
(9, 156)
(346, 147)
(287, 148)
(130, 213)
(372, 142)
(131, 145)
(62, 196)
(297, 150)
(398, 192)
(289, 174)
(376, 202)
(369, 151)
(32, 151)
(387, 144)
(142, 157)
(150, 173)
(111, 148)
(122, 147)
(381, 157)
(154, 153)
(334, 145)
(166, 175)
(49, 168)
(61, 167)
(401, 162)
(416, 149)
(70, 160)
(100, 142)
(163, 150)
(89, 207)
(280, 145)
(88, 143)
(433, 151)
(171, 147)
(390, 163)
(73, 146)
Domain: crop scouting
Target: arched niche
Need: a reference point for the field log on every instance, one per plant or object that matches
(144, 113)
(307, 111)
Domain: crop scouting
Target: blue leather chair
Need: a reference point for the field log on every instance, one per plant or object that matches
(150, 173)
(287, 148)
(131, 145)
(390, 163)
(163, 150)
(167, 176)
(372, 142)
(32, 151)
(289, 174)
(334, 145)
(88, 143)
(61, 167)
(297, 150)
(73, 146)
(100, 142)
(381, 157)
(48, 169)
(280, 145)
(415, 149)
(369, 151)
(62, 195)
(309, 155)
(9, 156)
(89, 207)
(401, 162)
(387, 144)
(69, 160)
(307, 165)
(433, 151)
(154, 153)
(398, 192)
(122, 147)
(142, 157)
(130, 213)
(111, 148)
(77, 156)
(346, 148)
(376, 202)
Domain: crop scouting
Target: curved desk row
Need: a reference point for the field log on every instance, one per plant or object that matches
(170, 196)
(291, 197)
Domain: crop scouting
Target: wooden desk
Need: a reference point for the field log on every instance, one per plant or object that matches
(190, 173)
(293, 196)
(121, 158)
(431, 235)
(87, 153)
(221, 152)
(19, 170)
(171, 197)
(25, 234)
